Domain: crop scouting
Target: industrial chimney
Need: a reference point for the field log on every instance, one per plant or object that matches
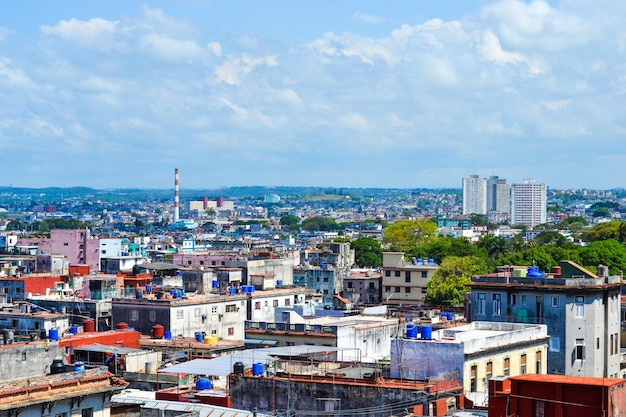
(176, 201)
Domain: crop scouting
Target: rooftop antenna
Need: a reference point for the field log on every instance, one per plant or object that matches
(176, 201)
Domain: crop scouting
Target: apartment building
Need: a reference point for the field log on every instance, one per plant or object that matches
(580, 308)
(404, 282)
(528, 203)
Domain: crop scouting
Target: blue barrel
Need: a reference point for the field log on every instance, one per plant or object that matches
(427, 332)
(215, 284)
(167, 335)
(279, 282)
(245, 288)
(449, 316)
(173, 293)
(53, 334)
(148, 289)
(180, 293)
(233, 291)
(411, 330)
(251, 288)
(74, 329)
(203, 383)
(79, 366)
(199, 337)
(257, 369)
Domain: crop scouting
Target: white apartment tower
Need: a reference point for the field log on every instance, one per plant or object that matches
(474, 195)
(528, 203)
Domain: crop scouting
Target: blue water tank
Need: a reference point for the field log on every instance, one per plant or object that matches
(427, 332)
(203, 383)
(148, 289)
(199, 337)
(251, 288)
(322, 266)
(233, 291)
(167, 335)
(215, 284)
(244, 289)
(411, 330)
(279, 282)
(419, 260)
(79, 366)
(257, 369)
(431, 261)
(74, 329)
(533, 272)
(53, 334)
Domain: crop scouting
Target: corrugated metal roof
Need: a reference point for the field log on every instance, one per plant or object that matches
(204, 410)
(107, 349)
(223, 365)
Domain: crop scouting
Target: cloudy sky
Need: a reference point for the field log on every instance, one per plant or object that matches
(349, 93)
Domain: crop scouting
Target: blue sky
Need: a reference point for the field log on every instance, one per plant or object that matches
(399, 94)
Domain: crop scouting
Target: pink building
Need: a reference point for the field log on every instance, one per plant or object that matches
(77, 245)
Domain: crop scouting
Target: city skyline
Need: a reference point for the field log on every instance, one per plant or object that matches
(359, 94)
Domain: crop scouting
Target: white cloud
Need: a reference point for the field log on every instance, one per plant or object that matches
(367, 18)
(231, 71)
(170, 49)
(95, 33)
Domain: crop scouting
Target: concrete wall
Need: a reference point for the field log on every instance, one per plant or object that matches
(269, 394)
(27, 360)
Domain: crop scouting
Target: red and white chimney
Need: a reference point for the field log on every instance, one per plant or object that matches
(176, 201)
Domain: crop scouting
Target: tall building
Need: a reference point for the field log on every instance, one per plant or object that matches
(474, 195)
(528, 203)
(405, 282)
(498, 199)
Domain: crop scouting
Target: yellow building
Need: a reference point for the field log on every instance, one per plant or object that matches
(404, 282)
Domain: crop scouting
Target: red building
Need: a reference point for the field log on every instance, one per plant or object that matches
(537, 395)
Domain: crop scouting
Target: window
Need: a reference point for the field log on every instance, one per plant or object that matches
(275, 303)
(287, 302)
(397, 273)
(387, 273)
(201, 262)
(481, 303)
(230, 308)
(231, 331)
(257, 305)
(407, 276)
(397, 289)
(350, 284)
(372, 286)
(325, 279)
(579, 351)
(424, 274)
(540, 408)
(87, 412)
(213, 309)
(489, 370)
(473, 378)
(387, 289)
(612, 353)
(538, 362)
(65, 244)
(23, 356)
(134, 315)
(505, 366)
(580, 306)
(555, 301)
(497, 304)
(180, 314)
(267, 303)
(196, 312)
(522, 367)
(513, 299)
(407, 289)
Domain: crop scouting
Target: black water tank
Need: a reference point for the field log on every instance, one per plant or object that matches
(239, 368)
(57, 367)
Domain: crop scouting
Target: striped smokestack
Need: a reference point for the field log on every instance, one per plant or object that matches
(176, 201)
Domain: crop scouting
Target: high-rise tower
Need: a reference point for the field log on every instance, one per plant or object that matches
(528, 203)
(474, 195)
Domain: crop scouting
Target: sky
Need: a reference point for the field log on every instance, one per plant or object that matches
(351, 93)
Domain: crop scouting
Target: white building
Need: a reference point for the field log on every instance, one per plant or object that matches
(476, 352)
(474, 195)
(528, 203)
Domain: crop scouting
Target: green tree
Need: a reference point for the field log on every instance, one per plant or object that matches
(608, 252)
(450, 282)
(405, 234)
(494, 246)
(367, 252)
(602, 212)
(549, 237)
(318, 223)
(440, 247)
(290, 222)
(603, 231)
